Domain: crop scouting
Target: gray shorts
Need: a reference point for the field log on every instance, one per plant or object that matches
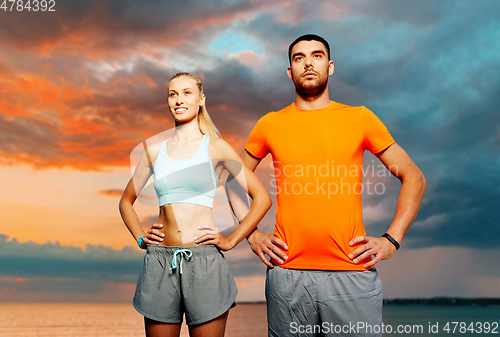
(323, 303)
(197, 282)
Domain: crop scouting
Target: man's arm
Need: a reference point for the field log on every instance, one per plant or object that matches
(263, 243)
(413, 186)
(250, 161)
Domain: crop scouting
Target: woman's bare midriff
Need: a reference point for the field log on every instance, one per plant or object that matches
(180, 222)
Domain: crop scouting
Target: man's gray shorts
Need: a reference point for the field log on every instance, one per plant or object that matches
(203, 291)
(323, 303)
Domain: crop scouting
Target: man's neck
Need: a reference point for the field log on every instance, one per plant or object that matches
(313, 103)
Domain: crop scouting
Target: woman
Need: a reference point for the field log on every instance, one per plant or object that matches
(186, 272)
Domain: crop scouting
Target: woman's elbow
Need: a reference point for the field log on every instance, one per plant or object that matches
(263, 200)
(267, 202)
(124, 204)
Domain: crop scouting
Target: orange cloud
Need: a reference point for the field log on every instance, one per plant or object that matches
(248, 58)
(112, 193)
(333, 10)
(26, 95)
(294, 14)
(133, 80)
(81, 125)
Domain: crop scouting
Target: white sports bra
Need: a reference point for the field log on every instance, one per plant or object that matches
(191, 180)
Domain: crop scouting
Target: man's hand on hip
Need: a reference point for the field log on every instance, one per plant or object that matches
(264, 243)
(382, 248)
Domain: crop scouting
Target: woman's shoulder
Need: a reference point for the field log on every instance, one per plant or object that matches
(153, 149)
(221, 148)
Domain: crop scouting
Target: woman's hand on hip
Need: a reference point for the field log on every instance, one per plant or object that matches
(154, 236)
(213, 236)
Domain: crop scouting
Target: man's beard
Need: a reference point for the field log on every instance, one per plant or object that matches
(309, 91)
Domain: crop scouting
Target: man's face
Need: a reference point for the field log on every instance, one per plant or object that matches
(310, 68)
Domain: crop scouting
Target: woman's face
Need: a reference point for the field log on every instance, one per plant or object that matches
(184, 98)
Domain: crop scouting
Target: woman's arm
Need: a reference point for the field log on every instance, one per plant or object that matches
(264, 243)
(141, 176)
(247, 179)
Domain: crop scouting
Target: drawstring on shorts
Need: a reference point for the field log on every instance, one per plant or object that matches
(184, 252)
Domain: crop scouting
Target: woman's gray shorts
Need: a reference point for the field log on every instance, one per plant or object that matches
(192, 280)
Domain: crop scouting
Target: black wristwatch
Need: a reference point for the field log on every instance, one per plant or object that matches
(392, 240)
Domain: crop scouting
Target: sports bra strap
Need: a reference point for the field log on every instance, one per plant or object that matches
(205, 140)
(147, 153)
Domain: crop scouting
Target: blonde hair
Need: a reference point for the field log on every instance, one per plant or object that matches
(207, 127)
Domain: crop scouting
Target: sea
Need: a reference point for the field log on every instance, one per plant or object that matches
(245, 320)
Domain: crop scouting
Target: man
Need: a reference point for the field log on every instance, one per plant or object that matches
(326, 283)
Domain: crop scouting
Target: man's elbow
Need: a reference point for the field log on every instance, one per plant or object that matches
(418, 181)
(416, 178)
(423, 183)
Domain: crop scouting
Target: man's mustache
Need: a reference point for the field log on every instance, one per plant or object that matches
(311, 70)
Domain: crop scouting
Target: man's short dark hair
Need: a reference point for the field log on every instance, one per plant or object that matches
(308, 37)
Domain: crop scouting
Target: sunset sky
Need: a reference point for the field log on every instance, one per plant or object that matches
(82, 86)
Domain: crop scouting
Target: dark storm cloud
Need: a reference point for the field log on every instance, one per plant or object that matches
(450, 127)
(53, 260)
(36, 140)
(52, 267)
(76, 24)
(438, 94)
(244, 94)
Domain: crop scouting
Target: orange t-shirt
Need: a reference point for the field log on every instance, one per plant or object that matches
(318, 162)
